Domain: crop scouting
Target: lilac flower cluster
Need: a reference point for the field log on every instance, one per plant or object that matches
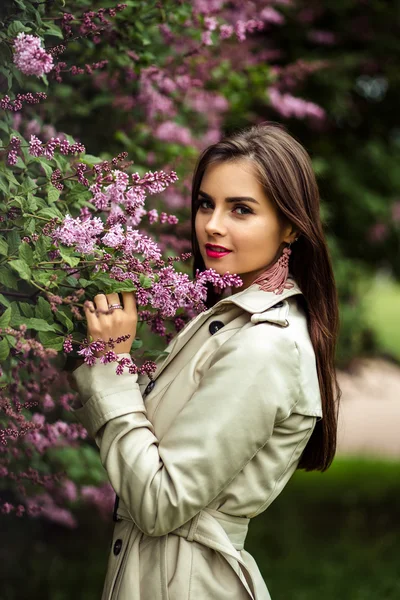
(15, 144)
(88, 26)
(37, 148)
(78, 233)
(30, 58)
(290, 106)
(55, 179)
(61, 67)
(132, 197)
(15, 105)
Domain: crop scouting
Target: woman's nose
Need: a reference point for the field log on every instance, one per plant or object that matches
(215, 223)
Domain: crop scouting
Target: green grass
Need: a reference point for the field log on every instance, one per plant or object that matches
(332, 535)
(382, 309)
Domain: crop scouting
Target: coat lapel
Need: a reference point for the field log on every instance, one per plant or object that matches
(252, 300)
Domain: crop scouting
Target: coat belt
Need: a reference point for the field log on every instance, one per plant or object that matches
(219, 531)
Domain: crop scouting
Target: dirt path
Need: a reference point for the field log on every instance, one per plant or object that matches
(369, 418)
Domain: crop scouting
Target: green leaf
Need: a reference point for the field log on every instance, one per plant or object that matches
(45, 166)
(52, 29)
(22, 269)
(43, 277)
(5, 318)
(8, 75)
(43, 310)
(53, 194)
(3, 247)
(121, 286)
(27, 185)
(28, 310)
(51, 340)
(4, 349)
(62, 317)
(17, 27)
(4, 300)
(20, 4)
(65, 254)
(50, 212)
(84, 282)
(145, 282)
(89, 159)
(26, 253)
(42, 247)
(40, 325)
(7, 278)
(138, 343)
(30, 226)
(4, 186)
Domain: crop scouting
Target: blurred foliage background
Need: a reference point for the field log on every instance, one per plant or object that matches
(332, 537)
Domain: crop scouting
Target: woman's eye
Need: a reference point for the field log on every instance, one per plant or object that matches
(247, 210)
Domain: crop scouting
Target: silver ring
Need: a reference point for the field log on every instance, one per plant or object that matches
(115, 306)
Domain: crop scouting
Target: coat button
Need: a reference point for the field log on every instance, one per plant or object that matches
(149, 387)
(214, 326)
(117, 546)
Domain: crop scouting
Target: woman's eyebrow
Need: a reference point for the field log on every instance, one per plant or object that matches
(231, 198)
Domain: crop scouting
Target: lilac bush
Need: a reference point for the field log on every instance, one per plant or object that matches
(71, 225)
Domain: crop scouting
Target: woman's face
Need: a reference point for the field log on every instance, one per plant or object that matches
(234, 212)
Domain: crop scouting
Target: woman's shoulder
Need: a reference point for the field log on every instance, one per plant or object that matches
(275, 345)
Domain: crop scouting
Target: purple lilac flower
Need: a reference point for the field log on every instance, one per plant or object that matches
(81, 234)
(14, 105)
(115, 236)
(30, 58)
(15, 144)
(139, 243)
(290, 106)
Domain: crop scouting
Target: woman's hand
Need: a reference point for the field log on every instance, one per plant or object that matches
(120, 321)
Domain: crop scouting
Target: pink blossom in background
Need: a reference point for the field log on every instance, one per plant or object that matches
(205, 7)
(43, 505)
(377, 233)
(290, 106)
(206, 38)
(204, 101)
(328, 38)
(30, 58)
(48, 402)
(396, 212)
(270, 15)
(174, 199)
(168, 242)
(225, 31)
(69, 490)
(102, 497)
(169, 131)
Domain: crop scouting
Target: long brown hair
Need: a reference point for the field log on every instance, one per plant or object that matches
(285, 171)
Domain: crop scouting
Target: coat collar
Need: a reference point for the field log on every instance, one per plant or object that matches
(255, 300)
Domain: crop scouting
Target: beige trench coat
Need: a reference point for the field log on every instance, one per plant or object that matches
(206, 447)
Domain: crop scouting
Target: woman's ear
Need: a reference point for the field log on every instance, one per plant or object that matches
(290, 233)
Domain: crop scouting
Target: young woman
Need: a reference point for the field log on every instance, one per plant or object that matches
(246, 395)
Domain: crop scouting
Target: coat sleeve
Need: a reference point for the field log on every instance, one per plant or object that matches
(231, 416)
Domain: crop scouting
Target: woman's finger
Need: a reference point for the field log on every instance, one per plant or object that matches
(113, 299)
(129, 302)
(101, 301)
(91, 317)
